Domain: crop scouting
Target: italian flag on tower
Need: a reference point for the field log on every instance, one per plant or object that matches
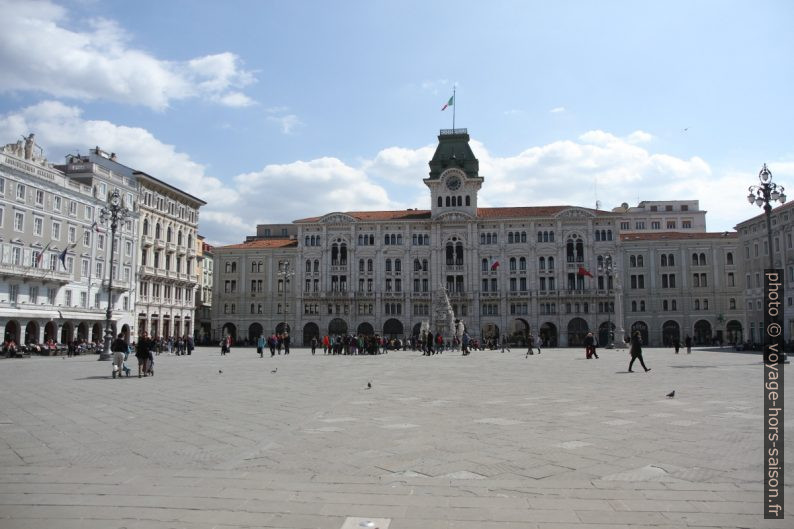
(449, 103)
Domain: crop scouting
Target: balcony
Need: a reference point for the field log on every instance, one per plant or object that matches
(454, 267)
(147, 240)
(118, 286)
(339, 268)
(181, 250)
(159, 244)
(191, 252)
(38, 274)
(170, 247)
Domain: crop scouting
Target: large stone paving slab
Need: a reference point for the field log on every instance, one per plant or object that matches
(487, 441)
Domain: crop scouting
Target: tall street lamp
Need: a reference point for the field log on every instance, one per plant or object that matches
(114, 212)
(285, 274)
(763, 196)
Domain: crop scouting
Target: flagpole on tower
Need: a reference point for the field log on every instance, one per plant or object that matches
(454, 106)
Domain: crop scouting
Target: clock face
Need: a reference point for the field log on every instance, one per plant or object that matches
(453, 183)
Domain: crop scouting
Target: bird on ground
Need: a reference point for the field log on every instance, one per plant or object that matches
(671, 394)
(274, 370)
(369, 385)
(220, 371)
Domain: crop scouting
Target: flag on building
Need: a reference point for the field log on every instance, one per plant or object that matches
(449, 103)
(40, 257)
(62, 257)
(494, 264)
(582, 272)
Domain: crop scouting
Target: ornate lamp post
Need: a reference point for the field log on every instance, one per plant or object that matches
(285, 274)
(763, 196)
(114, 213)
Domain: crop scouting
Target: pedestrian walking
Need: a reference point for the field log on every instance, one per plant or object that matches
(636, 351)
(286, 340)
(119, 347)
(465, 343)
(688, 343)
(676, 345)
(590, 346)
(142, 353)
(314, 344)
(260, 346)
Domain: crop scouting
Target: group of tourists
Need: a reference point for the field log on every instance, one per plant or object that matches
(361, 344)
(174, 345)
(274, 342)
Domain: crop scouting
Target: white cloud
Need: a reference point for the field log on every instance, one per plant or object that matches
(561, 172)
(513, 112)
(288, 123)
(40, 54)
(557, 110)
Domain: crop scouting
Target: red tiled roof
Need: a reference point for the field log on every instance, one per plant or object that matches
(482, 213)
(677, 235)
(260, 243)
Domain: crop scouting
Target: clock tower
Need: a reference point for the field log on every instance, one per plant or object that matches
(454, 179)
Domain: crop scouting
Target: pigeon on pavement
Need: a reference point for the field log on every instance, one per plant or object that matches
(671, 394)
(369, 385)
(274, 370)
(220, 371)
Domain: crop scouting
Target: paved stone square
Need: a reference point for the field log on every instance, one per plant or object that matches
(493, 440)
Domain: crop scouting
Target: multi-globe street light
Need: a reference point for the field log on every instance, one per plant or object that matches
(114, 213)
(763, 196)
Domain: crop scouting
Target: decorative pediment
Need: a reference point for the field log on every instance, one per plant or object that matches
(454, 216)
(575, 213)
(336, 218)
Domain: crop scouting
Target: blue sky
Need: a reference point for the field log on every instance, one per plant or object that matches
(273, 111)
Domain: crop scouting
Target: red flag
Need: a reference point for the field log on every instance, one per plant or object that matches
(582, 272)
(494, 264)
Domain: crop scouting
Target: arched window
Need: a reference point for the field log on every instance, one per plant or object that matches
(510, 238)
(446, 201)
(369, 265)
(259, 266)
(424, 265)
(546, 236)
(609, 235)
(234, 308)
(228, 267)
(417, 265)
(343, 254)
(551, 263)
(597, 235)
(642, 305)
(523, 236)
(702, 259)
(179, 238)
(190, 241)
(569, 251)
(426, 239)
(670, 260)
(398, 265)
(157, 231)
(306, 241)
(399, 238)
(252, 308)
(697, 304)
(632, 261)
(460, 201)
(540, 236)
(484, 265)
(482, 238)
(146, 226)
(468, 200)
(440, 203)
(551, 236)
(253, 266)
(729, 258)
(361, 265)
(234, 266)
(393, 239)
(522, 263)
(732, 303)
(694, 259)
(168, 234)
(541, 263)
(639, 261)
(633, 306)
(388, 265)
(512, 263)
(664, 260)
(316, 266)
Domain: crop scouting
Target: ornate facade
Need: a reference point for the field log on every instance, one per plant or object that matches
(506, 271)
